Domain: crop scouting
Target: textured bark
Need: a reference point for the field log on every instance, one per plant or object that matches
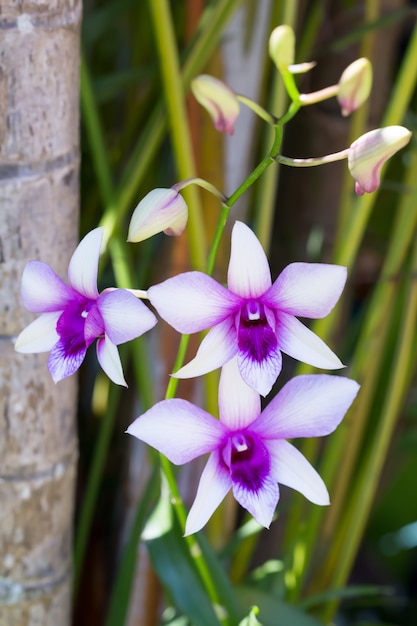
(39, 161)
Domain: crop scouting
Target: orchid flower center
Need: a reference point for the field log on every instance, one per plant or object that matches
(247, 458)
(256, 337)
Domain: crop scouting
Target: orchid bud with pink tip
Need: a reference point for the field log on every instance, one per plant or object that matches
(369, 152)
(355, 85)
(219, 101)
(160, 210)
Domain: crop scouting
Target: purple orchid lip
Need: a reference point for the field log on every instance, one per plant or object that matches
(253, 318)
(73, 316)
(248, 449)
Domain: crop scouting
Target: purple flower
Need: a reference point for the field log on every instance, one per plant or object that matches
(248, 449)
(252, 318)
(74, 315)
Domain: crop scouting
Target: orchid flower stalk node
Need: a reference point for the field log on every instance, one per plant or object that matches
(219, 101)
(248, 449)
(369, 152)
(355, 85)
(73, 316)
(253, 319)
(161, 210)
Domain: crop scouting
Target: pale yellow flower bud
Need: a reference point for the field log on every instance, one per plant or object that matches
(160, 210)
(355, 85)
(369, 152)
(282, 46)
(218, 100)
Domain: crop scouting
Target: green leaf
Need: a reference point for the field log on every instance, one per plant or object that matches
(271, 610)
(175, 570)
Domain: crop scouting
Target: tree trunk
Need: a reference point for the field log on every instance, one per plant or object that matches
(39, 161)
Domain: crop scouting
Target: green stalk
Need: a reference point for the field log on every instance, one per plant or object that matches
(93, 484)
(147, 147)
(179, 129)
(357, 512)
(286, 13)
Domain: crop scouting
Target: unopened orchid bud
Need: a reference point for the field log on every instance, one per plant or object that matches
(160, 210)
(219, 101)
(282, 46)
(369, 152)
(355, 85)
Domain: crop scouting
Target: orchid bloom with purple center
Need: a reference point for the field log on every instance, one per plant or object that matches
(248, 449)
(74, 315)
(253, 319)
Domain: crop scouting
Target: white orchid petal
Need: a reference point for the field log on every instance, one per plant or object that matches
(249, 275)
(83, 267)
(109, 359)
(40, 335)
(302, 344)
(42, 290)
(291, 468)
(192, 301)
(260, 503)
(239, 404)
(125, 317)
(214, 484)
(178, 429)
(312, 405)
(307, 289)
(217, 347)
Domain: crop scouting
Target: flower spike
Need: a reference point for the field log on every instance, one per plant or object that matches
(218, 100)
(253, 319)
(74, 315)
(248, 449)
(160, 210)
(369, 152)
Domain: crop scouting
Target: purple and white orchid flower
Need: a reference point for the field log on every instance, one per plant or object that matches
(248, 449)
(253, 318)
(74, 315)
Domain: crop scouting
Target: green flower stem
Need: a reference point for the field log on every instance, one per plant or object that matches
(319, 96)
(177, 116)
(357, 512)
(314, 161)
(258, 109)
(204, 184)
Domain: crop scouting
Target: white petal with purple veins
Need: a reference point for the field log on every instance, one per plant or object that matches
(178, 429)
(109, 359)
(192, 301)
(260, 375)
(261, 503)
(302, 344)
(307, 289)
(42, 290)
(307, 406)
(217, 347)
(249, 275)
(214, 484)
(125, 317)
(40, 335)
(62, 363)
(83, 267)
(239, 404)
(291, 468)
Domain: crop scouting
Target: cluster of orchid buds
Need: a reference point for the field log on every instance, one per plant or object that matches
(251, 321)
